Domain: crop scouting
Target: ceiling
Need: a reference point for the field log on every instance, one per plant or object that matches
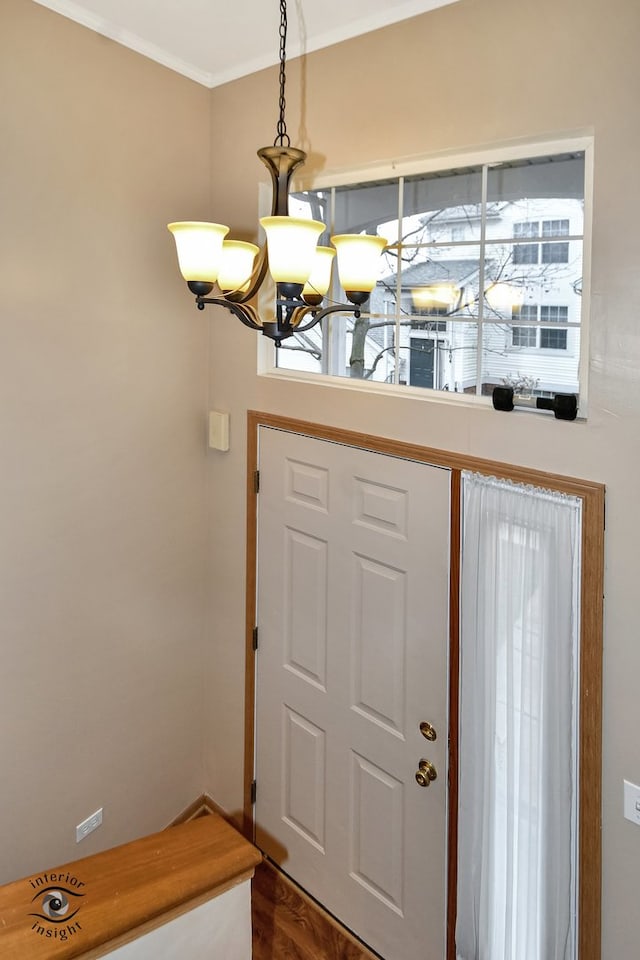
(214, 41)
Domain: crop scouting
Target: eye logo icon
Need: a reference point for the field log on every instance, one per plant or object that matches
(55, 905)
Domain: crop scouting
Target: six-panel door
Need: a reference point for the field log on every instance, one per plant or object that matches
(353, 566)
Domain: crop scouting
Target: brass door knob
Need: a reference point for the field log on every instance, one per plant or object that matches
(426, 773)
(427, 731)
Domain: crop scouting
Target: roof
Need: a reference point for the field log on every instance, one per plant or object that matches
(434, 271)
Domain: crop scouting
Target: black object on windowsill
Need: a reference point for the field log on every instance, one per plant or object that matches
(564, 406)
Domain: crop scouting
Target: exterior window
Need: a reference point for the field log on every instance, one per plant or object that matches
(478, 260)
(525, 336)
(545, 252)
(555, 253)
(551, 339)
(539, 336)
(525, 252)
(426, 318)
(555, 228)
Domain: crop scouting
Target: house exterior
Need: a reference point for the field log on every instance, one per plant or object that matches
(538, 282)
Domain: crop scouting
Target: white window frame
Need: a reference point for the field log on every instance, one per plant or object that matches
(408, 167)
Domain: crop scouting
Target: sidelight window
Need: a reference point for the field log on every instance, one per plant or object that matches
(518, 759)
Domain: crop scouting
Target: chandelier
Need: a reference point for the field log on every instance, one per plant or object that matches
(299, 267)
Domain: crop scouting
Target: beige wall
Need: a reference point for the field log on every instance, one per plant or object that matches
(476, 73)
(106, 570)
(102, 471)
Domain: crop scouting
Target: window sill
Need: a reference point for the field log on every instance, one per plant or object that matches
(380, 389)
(422, 394)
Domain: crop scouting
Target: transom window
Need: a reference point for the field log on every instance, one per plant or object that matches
(480, 284)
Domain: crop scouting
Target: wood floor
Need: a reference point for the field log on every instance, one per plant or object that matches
(288, 925)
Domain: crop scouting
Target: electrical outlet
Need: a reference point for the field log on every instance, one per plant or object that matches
(632, 802)
(89, 825)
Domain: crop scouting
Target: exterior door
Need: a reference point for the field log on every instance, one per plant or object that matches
(422, 362)
(353, 561)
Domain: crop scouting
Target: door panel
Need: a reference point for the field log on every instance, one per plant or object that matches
(304, 778)
(353, 563)
(376, 856)
(305, 585)
(379, 632)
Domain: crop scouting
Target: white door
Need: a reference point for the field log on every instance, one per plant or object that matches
(353, 566)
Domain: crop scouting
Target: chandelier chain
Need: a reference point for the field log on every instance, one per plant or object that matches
(282, 138)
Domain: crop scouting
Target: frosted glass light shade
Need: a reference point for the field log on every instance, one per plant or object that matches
(291, 245)
(435, 295)
(358, 257)
(199, 247)
(236, 265)
(320, 276)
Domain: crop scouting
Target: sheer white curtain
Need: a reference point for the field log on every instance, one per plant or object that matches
(517, 812)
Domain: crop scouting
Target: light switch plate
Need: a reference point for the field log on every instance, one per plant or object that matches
(218, 430)
(632, 802)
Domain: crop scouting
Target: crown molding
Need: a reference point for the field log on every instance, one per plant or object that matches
(109, 29)
(300, 43)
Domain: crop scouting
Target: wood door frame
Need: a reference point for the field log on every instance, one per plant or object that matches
(591, 629)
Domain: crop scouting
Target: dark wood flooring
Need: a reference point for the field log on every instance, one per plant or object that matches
(288, 925)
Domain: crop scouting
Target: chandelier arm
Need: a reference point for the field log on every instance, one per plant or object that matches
(296, 315)
(289, 320)
(243, 311)
(319, 316)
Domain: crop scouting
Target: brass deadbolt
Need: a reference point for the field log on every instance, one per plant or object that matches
(426, 773)
(427, 731)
